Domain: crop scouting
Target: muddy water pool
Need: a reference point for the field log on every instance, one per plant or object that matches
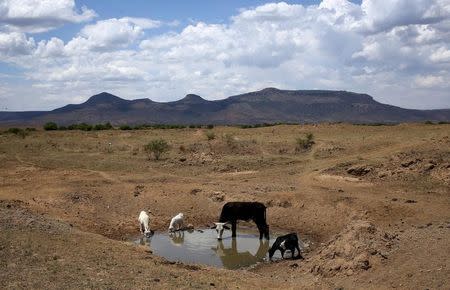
(202, 247)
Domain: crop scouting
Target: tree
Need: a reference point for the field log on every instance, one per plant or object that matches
(157, 147)
(50, 126)
(304, 143)
(210, 135)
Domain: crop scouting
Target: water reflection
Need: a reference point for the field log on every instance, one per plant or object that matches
(231, 258)
(202, 247)
(177, 238)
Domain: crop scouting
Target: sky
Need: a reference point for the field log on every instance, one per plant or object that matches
(55, 52)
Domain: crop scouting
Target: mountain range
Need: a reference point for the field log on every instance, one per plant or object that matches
(269, 105)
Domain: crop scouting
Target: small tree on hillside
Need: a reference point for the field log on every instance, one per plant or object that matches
(304, 143)
(157, 147)
(210, 135)
(50, 126)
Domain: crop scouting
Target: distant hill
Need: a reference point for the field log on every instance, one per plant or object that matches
(269, 105)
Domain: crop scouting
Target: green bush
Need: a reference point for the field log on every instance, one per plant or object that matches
(304, 143)
(230, 141)
(62, 128)
(30, 129)
(50, 126)
(125, 127)
(17, 131)
(84, 127)
(157, 147)
(14, 130)
(429, 123)
(99, 127)
(210, 135)
(108, 126)
(210, 126)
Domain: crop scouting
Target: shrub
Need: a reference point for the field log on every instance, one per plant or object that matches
(99, 127)
(429, 123)
(30, 129)
(22, 133)
(50, 126)
(139, 127)
(108, 126)
(125, 127)
(210, 126)
(192, 126)
(17, 131)
(210, 135)
(14, 130)
(84, 127)
(229, 139)
(304, 143)
(157, 147)
(62, 128)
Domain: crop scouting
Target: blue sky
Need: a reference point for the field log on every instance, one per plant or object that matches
(54, 52)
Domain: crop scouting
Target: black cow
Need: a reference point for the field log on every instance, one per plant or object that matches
(286, 242)
(234, 211)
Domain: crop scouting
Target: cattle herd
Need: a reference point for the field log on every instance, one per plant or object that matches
(230, 214)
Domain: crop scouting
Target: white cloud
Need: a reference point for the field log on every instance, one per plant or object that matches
(40, 15)
(442, 54)
(110, 34)
(385, 15)
(431, 81)
(398, 52)
(14, 44)
(144, 23)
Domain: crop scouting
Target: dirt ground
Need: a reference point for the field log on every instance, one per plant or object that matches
(373, 200)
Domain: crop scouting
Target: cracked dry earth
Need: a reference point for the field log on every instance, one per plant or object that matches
(374, 202)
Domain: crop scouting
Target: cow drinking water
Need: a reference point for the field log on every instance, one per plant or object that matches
(286, 242)
(234, 211)
(177, 223)
(144, 220)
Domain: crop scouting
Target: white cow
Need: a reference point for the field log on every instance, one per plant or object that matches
(177, 222)
(144, 220)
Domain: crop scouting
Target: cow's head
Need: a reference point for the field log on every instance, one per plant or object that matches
(220, 227)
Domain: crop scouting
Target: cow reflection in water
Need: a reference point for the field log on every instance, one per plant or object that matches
(177, 238)
(143, 241)
(232, 259)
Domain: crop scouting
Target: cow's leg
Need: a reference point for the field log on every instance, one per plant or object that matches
(142, 228)
(260, 228)
(233, 229)
(299, 254)
(292, 253)
(282, 253)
